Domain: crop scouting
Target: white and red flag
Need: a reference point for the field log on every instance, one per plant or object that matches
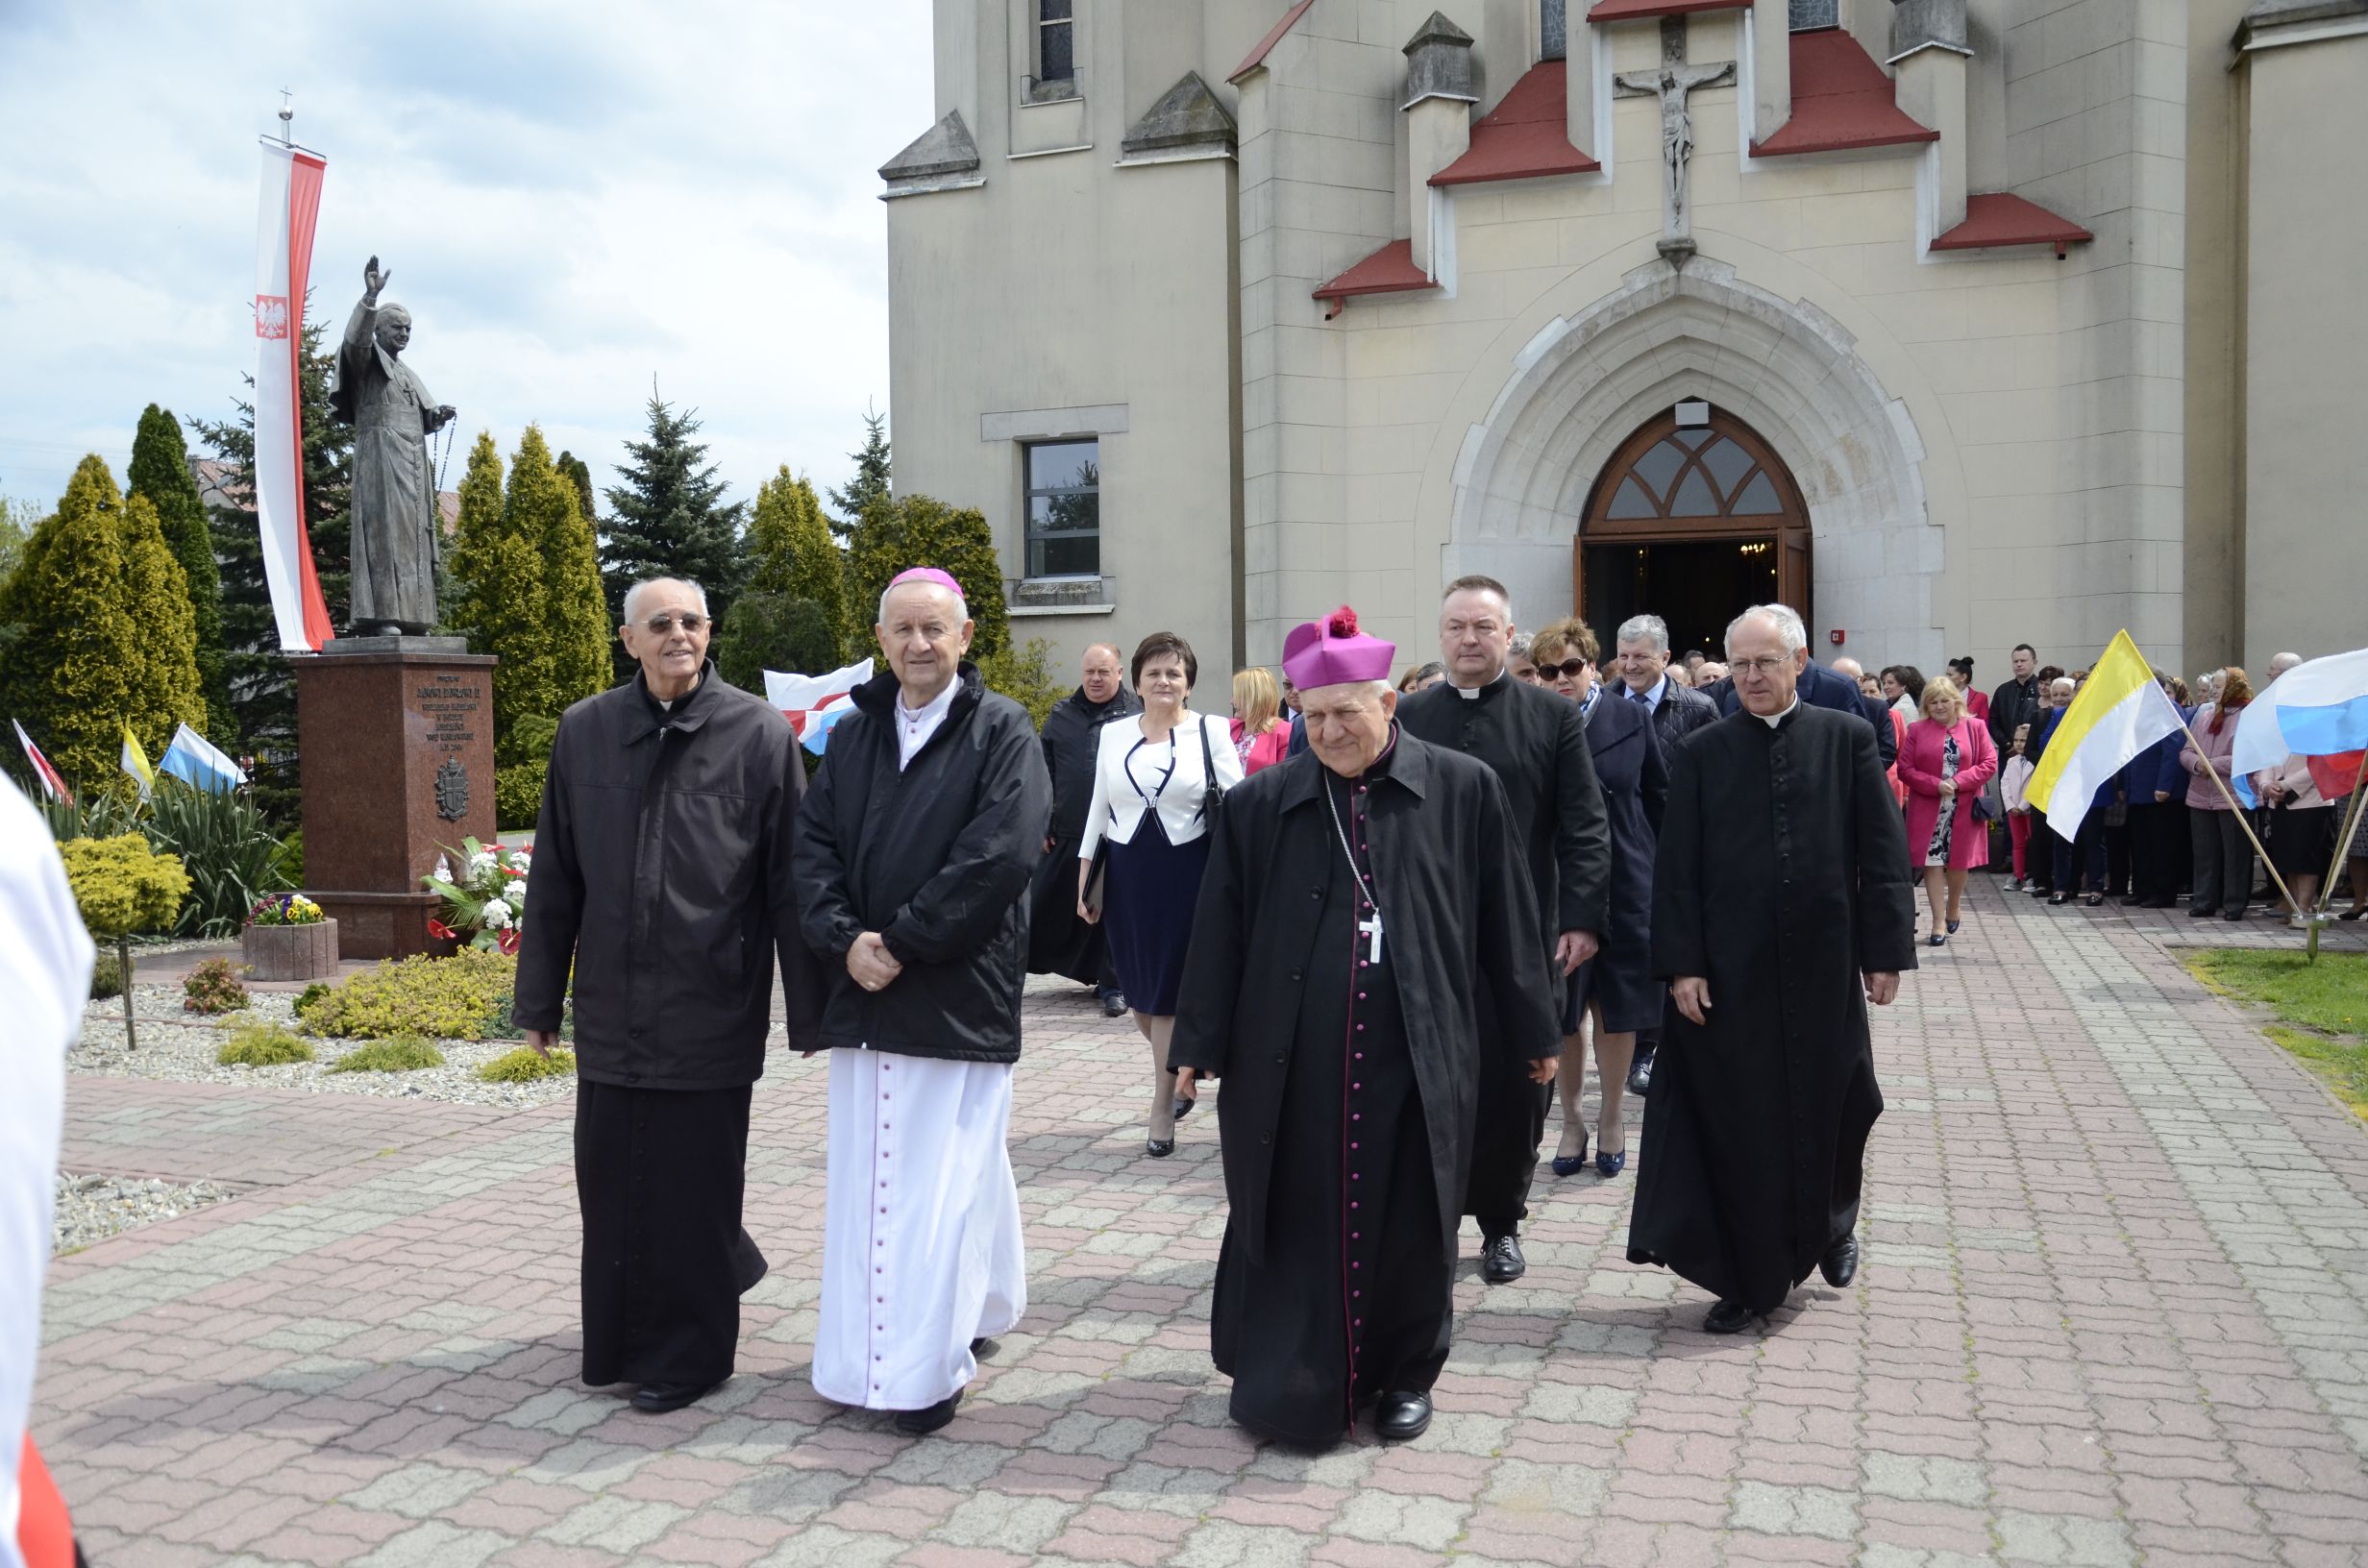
(292, 202)
(51, 783)
(813, 703)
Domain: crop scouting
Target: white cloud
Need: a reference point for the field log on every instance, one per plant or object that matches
(573, 199)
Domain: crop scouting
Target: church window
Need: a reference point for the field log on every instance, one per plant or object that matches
(1056, 56)
(1814, 13)
(1064, 508)
(1553, 29)
(1693, 474)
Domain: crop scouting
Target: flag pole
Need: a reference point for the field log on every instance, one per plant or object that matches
(2343, 845)
(2242, 821)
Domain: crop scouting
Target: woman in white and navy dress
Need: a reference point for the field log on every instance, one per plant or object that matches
(1156, 781)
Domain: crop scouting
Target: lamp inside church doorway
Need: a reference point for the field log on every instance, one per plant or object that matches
(1693, 519)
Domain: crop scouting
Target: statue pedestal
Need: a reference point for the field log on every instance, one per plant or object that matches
(396, 735)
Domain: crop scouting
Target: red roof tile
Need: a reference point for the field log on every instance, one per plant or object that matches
(1840, 100)
(1258, 56)
(1522, 137)
(2000, 218)
(1628, 10)
(1390, 270)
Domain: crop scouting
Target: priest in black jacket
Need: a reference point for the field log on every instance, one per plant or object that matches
(1780, 908)
(1536, 743)
(1058, 941)
(1354, 893)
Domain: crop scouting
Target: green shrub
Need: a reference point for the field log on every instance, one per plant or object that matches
(402, 1053)
(1024, 676)
(288, 862)
(502, 1027)
(227, 847)
(308, 999)
(121, 884)
(773, 631)
(524, 1065)
(440, 998)
(212, 987)
(106, 977)
(254, 1044)
(518, 795)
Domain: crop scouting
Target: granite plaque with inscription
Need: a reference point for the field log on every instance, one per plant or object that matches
(397, 739)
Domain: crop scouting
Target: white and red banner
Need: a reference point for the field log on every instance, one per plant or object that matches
(813, 703)
(292, 202)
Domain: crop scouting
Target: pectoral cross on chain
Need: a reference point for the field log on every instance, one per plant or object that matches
(1670, 83)
(1370, 928)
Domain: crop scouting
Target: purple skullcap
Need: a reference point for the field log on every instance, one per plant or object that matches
(1332, 652)
(929, 574)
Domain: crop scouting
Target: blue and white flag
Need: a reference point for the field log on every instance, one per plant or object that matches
(813, 703)
(2317, 709)
(198, 763)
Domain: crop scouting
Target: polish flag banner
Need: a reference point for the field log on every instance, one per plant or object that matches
(813, 703)
(292, 202)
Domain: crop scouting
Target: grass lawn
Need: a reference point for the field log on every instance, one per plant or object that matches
(2323, 1006)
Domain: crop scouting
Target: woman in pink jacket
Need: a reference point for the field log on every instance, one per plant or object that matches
(1944, 761)
(2223, 854)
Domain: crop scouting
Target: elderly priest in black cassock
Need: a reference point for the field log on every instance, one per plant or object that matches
(1780, 908)
(1354, 895)
(662, 878)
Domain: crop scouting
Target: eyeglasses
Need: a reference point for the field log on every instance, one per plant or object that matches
(1766, 667)
(661, 625)
(1571, 668)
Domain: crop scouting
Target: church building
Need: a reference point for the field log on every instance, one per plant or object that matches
(1953, 324)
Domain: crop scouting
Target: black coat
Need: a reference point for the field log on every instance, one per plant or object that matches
(1635, 790)
(935, 858)
(662, 874)
(1453, 905)
(1058, 941)
(1683, 710)
(1782, 878)
(2015, 704)
(1533, 741)
(1822, 688)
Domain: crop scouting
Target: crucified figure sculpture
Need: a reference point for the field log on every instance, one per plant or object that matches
(1670, 83)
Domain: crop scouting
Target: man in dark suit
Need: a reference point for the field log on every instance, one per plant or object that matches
(1823, 688)
(1641, 661)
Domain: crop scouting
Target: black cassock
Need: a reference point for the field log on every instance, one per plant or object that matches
(1534, 740)
(1349, 1081)
(1781, 878)
(1059, 943)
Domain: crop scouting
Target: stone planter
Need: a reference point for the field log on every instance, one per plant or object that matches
(290, 952)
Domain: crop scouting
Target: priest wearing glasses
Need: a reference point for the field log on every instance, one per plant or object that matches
(1364, 883)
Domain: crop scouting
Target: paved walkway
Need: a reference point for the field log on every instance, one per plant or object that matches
(2114, 1309)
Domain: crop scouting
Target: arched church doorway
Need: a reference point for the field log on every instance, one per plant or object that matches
(1693, 519)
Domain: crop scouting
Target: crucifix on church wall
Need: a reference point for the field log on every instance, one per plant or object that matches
(1670, 83)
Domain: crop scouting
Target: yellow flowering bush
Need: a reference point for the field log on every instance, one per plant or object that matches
(437, 999)
(123, 886)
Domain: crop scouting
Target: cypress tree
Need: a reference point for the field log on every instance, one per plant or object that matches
(74, 670)
(167, 690)
(580, 477)
(919, 531)
(160, 472)
(499, 593)
(791, 553)
(669, 519)
(575, 598)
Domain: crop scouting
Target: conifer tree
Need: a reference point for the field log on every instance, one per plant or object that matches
(870, 484)
(791, 552)
(575, 598)
(669, 519)
(919, 530)
(167, 690)
(160, 472)
(498, 592)
(73, 670)
(580, 477)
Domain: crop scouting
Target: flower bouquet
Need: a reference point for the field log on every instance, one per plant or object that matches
(486, 898)
(288, 937)
(286, 909)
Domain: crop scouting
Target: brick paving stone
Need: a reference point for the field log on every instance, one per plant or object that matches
(2083, 1334)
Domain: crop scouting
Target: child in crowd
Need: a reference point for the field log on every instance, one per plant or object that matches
(2012, 782)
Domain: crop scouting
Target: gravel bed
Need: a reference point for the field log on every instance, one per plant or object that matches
(93, 1207)
(179, 1047)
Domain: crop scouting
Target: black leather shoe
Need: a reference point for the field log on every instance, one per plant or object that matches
(1159, 1148)
(1840, 1263)
(1113, 1004)
(1500, 1263)
(919, 1423)
(657, 1398)
(1640, 1074)
(1183, 1109)
(1729, 1317)
(979, 1347)
(1399, 1418)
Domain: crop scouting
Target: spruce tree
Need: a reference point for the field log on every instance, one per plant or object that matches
(791, 552)
(160, 472)
(669, 519)
(73, 672)
(870, 486)
(919, 530)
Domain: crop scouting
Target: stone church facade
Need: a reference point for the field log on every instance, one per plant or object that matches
(1953, 322)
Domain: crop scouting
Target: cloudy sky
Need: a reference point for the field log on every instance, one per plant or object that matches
(573, 199)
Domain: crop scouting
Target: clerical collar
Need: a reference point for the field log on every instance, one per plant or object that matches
(1378, 767)
(1471, 694)
(1773, 720)
(928, 712)
(666, 704)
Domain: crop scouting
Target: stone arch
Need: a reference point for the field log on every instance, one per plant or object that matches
(1585, 382)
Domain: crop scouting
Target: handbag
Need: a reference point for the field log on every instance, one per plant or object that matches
(1097, 876)
(1210, 793)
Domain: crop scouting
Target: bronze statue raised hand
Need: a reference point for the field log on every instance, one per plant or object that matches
(372, 280)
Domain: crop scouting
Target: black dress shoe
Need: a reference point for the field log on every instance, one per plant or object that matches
(1399, 1418)
(978, 1346)
(1640, 1074)
(1183, 1109)
(1840, 1263)
(657, 1398)
(1500, 1263)
(1159, 1148)
(919, 1423)
(1113, 1004)
(2059, 899)
(1729, 1317)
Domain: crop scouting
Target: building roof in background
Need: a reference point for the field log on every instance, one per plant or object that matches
(214, 487)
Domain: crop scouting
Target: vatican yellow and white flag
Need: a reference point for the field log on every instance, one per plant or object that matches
(2121, 710)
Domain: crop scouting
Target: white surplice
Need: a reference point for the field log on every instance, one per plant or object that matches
(920, 1233)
